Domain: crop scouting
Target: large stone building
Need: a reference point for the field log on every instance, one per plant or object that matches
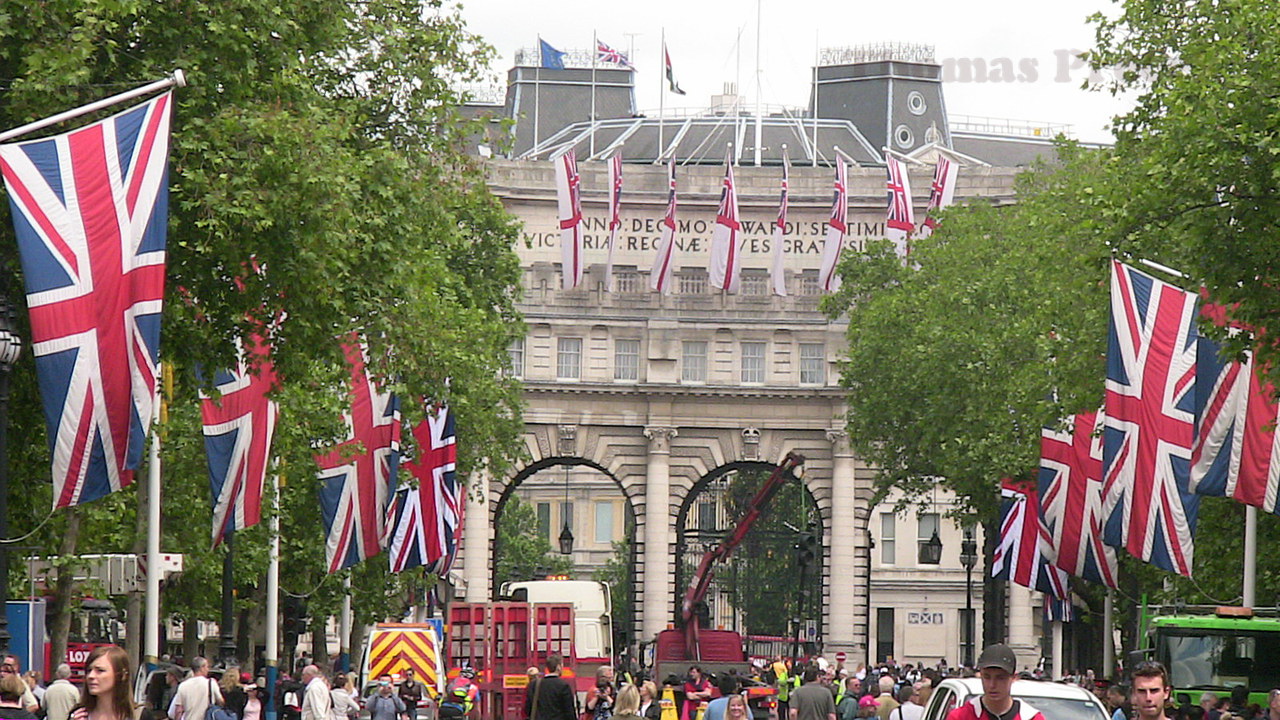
(639, 403)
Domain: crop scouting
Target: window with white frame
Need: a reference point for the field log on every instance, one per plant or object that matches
(813, 364)
(569, 358)
(626, 359)
(888, 538)
(693, 361)
(752, 356)
(604, 523)
(515, 354)
(927, 525)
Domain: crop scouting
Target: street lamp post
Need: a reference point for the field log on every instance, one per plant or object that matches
(10, 347)
(968, 558)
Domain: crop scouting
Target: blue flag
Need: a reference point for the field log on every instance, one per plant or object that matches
(552, 59)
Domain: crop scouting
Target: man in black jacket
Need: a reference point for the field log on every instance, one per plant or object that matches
(551, 697)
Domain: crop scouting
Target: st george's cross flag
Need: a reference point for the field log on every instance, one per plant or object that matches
(1148, 431)
(358, 476)
(1023, 553)
(615, 215)
(569, 203)
(90, 211)
(664, 260)
(777, 278)
(239, 424)
(726, 236)
(1235, 453)
(941, 193)
(1070, 484)
(606, 54)
(428, 529)
(900, 221)
(837, 225)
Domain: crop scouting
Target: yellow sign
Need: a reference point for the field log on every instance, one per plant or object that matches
(515, 681)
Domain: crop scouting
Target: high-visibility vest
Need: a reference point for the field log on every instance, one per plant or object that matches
(784, 686)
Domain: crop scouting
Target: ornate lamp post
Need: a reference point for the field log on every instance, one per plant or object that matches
(931, 550)
(566, 535)
(968, 558)
(10, 348)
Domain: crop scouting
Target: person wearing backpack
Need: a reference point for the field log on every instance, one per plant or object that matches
(196, 694)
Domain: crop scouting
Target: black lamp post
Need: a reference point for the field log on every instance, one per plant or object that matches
(931, 550)
(968, 558)
(10, 348)
(566, 535)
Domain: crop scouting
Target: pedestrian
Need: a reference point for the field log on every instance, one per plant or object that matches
(344, 705)
(1117, 702)
(650, 708)
(847, 705)
(61, 696)
(907, 708)
(1273, 705)
(108, 692)
(867, 707)
(410, 693)
(885, 702)
(627, 706)
(716, 709)
(811, 701)
(737, 708)
(255, 697)
(384, 704)
(316, 701)
(996, 667)
(1151, 691)
(233, 693)
(1240, 703)
(11, 665)
(35, 683)
(696, 690)
(599, 698)
(1209, 701)
(195, 694)
(551, 698)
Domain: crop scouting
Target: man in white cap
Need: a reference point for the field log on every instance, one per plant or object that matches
(996, 666)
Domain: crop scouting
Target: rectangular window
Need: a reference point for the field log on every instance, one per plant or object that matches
(692, 283)
(693, 363)
(515, 353)
(809, 284)
(888, 535)
(755, 285)
(566, 516)
(544, 520)
(604, 523)
(706, 516)
(753, 362)
(813, 364)
(626, 359)
(884, 634)
(927, 524)
(569, 358)
(626, 282)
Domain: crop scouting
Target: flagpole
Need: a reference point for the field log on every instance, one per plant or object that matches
(662, 94)
(1108, 635)
(814, 117)
(272, 654)
(1250, 554)
(595, 52)
(759, 121)
(344, 626)
(151, 649)
(175, 79)
(537, 95)
(1057, 644)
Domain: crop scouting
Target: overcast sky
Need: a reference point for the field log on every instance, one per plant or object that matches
(1037, 40)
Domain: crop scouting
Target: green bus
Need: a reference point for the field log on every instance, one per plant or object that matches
(1213, 653)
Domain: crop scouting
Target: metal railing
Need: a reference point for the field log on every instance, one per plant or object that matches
(1006, 126)
(877, 52)
(578, 58)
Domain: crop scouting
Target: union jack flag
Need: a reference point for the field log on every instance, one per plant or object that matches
(1071, 498)
(430, 522)
(1235, 453)
(726, 256)
(780, 230)
(836, 228)
(238, 427)
(606, 54)
(941, 193)
(1148, 432)
(901, 221)
(615, 214)
(1058, 610)
(1023, 554)
(660, 275)
(90, 210)
(358, 476)
(569, 199)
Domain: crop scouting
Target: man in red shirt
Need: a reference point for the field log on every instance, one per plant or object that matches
(996, 666)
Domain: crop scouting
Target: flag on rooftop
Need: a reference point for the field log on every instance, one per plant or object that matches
(726, 235)
(90, 211)
(828, 279)
(670, 73)
(663, 261)
(776, 273)
(1150, 412)
(606, 54)
(549, 57)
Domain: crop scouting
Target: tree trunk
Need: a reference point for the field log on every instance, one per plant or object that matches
(320, 642)
(133, 608)
(64, 588)
(190, 639)
(993, 591)
(355, 644)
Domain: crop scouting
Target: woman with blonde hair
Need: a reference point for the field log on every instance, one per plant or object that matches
(627, 706)
(233, 693)
(650, 708)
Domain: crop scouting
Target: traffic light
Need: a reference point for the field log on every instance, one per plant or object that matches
(293, 623)
(807, 547)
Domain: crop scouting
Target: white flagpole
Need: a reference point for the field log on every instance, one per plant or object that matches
(595, 52)
(537, 94)
(1250, 554)
(272, 654)
(1057, 646)
(662, 93)
(814, 117)
(344, 625)
(151, 636)
(759, 121)
(177, 78)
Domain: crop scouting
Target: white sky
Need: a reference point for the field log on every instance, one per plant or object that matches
(703, 39)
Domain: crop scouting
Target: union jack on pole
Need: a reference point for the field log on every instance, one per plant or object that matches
(1235, 453)
(660, 275)
(941, 193)
(1150, 404)
(780, 230)
(569, 200)
(836, 228)
(1023, 554)
(358, 476)
(431, 538)
(1071, 498)
(615, 214)
(901, 220)
(606, 54)
(90, 210)
(238, 428)
(726, 236)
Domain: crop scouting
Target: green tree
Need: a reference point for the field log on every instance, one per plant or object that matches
(522, 549)
(322, 139)
(618, 574)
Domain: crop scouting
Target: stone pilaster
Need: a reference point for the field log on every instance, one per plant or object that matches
(656, 608)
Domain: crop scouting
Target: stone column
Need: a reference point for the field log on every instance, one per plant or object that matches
(476, 539)
(1022, 628)
(656, 607)
(842, 560)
